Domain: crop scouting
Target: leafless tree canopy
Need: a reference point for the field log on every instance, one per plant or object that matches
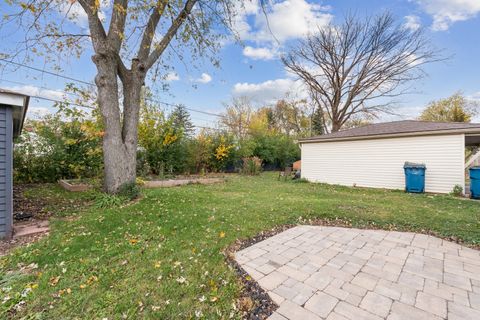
(356, 68)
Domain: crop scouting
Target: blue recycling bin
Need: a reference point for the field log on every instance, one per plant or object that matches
(414, 177)
(475, 182)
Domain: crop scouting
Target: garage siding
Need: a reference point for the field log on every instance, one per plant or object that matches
(378, 163)
(6, 132)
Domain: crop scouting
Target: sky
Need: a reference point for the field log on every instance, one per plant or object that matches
(253, 68)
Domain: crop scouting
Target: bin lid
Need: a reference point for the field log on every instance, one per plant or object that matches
(475, 168)
(414, 165)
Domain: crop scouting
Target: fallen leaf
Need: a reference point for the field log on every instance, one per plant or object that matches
(54, 280)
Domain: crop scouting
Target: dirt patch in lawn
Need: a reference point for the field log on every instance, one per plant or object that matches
(25, 208)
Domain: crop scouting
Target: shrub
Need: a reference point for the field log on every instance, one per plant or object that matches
(60, 146)
(143, 167)
(251, 166)
(105, 201)
(457, 191)
(129, 191)
(139, 181)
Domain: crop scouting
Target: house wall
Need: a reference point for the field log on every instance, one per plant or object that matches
(6, 132)
(378, 163)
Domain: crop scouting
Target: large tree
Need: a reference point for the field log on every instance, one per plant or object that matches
(357, 67)
(128, 39)
(455, 108)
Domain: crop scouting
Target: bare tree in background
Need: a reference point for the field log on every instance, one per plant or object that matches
(237, 116)
(356, 68)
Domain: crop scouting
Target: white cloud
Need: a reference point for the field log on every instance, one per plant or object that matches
(412, 22)
(39, 92)
(258, 53)
(205, 78)
(447, 12)
(269, 91)
(291, 19)
(75, 13)
(172, 76)
(475, 96)
(285, 20)
(37, 112)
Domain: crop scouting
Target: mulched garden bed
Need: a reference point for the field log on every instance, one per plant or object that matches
(25, 208)
(254, 302)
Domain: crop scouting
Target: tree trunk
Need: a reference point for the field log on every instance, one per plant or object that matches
(336, 125)
(119, 141)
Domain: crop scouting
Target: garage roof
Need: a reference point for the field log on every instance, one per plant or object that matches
(397, 128)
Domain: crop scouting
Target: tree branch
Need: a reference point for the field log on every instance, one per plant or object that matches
(97, 32)
(116, 31)
(182, 15)
(149, 31)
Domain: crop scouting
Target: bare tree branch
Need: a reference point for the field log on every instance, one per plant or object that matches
(149, 32)
(349, 66)
(116, 31)
(177, 22)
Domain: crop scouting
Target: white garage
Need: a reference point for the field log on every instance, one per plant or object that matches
(374, 155)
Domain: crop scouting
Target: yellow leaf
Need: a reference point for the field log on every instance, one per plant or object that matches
(222, 234)
(54, 280)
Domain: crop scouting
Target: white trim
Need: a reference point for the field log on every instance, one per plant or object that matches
(12, 99)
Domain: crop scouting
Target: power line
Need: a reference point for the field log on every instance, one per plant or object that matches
(46, 71)
(83, 106)
(90, 83)
(41, 87)
(190, 109)
(58, 101)
(201, 127)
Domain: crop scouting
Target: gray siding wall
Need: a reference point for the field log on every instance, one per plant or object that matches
(6, 193)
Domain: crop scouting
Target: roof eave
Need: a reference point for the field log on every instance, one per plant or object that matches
(393, 135)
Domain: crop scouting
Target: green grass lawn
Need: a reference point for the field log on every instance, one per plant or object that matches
(161, 257)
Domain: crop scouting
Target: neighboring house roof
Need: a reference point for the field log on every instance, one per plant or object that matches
(19, 102)
(397, 128)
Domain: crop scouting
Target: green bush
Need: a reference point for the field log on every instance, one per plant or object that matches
(129, 191)
(68, 145)
(57, 147)
(457, 191)
(252, 166)
(105, 201)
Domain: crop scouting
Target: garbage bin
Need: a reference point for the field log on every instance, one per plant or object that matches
(475, 182)
(414, 177)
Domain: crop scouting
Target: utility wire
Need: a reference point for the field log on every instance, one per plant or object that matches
(83, 106)
(90, 83)
(58, 101)
(46, 71)
(41, 87)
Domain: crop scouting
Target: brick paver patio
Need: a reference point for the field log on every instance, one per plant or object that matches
(315, 272)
